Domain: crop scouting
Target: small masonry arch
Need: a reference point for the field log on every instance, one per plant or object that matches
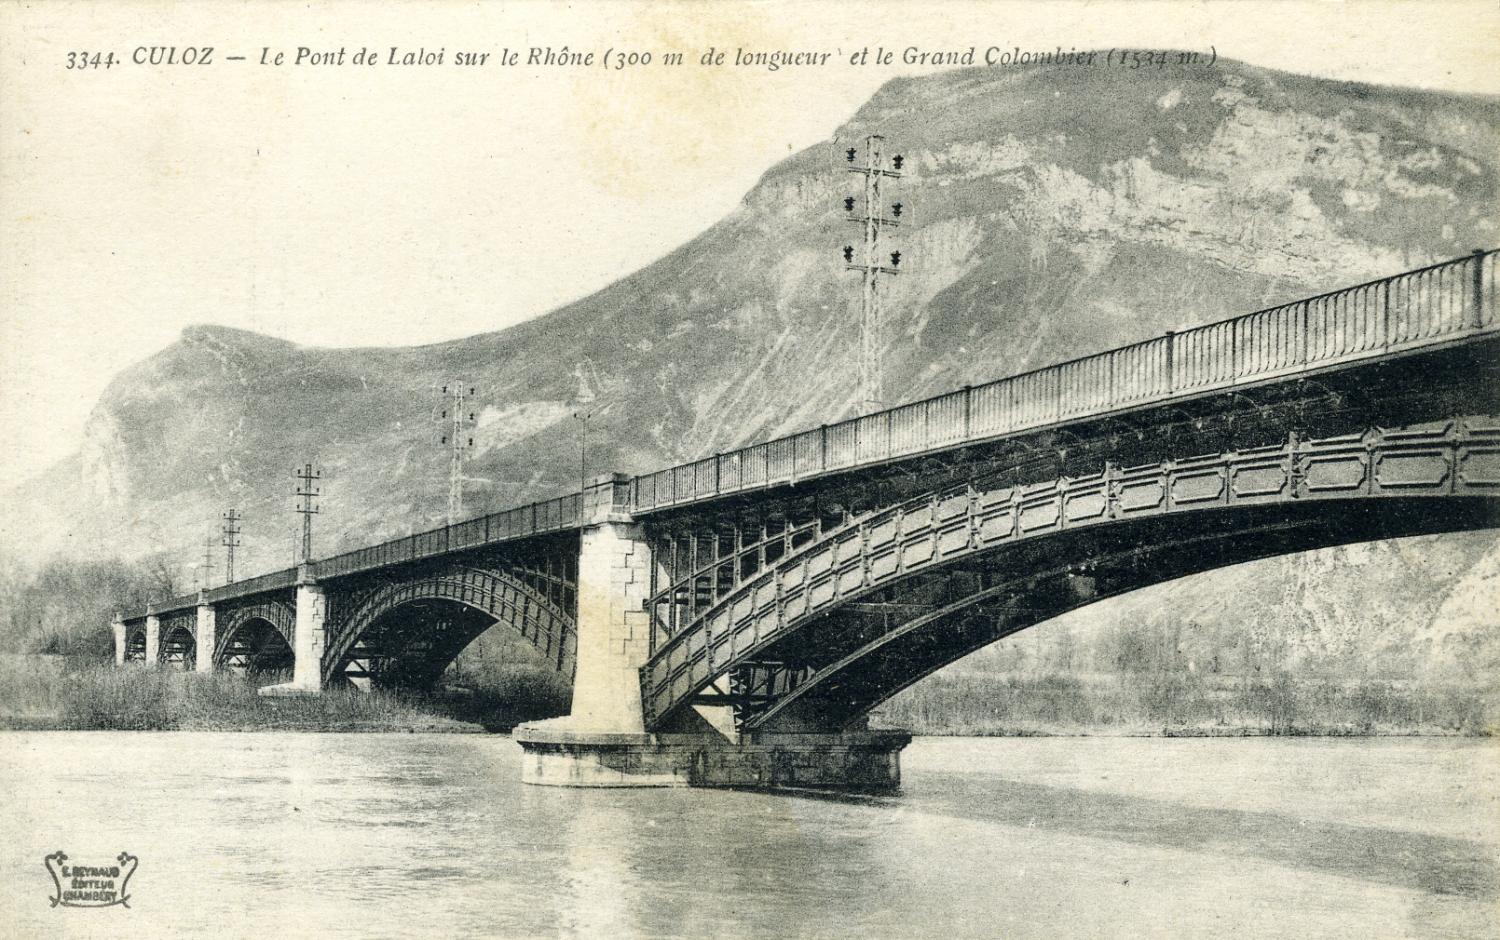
(805, 644)
(256, 635)
(450, 608)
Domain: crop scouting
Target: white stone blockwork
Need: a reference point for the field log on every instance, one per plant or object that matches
(310, 637)
(153, 638)
(205, 638)
(614, 576)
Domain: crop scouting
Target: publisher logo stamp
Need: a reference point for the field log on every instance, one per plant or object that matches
(90, 885)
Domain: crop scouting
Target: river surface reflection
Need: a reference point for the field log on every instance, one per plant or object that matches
(259, 835)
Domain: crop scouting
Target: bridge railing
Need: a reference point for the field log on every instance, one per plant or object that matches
(272, 581)
(1407, 311)
(174, 604)
(1430, 305)
(552, 515)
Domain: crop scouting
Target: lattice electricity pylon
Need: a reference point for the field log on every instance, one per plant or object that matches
(206, 568)
(230, 539)
(458, 426)
(306, 493)
(871, 324)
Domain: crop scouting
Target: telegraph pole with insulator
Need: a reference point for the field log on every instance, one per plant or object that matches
(230, 539)
(874, 220)
(458, 435)
(306, 493)
(583, 416)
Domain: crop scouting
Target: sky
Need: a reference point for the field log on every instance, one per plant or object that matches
(345, 205)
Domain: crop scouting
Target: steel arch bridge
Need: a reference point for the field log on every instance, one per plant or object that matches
(178, 633)
(135, 644)
(179, 647)
(858, 612)
(801, 581)
(257, 636)
(406, 631)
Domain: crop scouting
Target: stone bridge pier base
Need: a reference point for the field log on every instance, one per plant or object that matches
(309, 638)
(604, 741)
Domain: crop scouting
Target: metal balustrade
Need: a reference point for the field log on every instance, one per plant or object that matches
(172, 605)
(726, 628)
(1436, 304)
(551, 515)
(1395, 314)
(275, 580)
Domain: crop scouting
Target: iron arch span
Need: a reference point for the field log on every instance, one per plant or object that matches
(135, 644)
(841, 624)
(257, 638)
(178, 647)
(407, 632)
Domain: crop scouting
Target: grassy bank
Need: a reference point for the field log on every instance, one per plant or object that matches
(38, 692)
(1183, 704)
(53, 692)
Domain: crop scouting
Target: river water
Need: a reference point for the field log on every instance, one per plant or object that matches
(277, 835)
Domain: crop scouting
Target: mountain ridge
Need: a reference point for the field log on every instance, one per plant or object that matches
(1052, 214)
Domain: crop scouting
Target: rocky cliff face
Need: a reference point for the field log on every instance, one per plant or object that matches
(1051, 213)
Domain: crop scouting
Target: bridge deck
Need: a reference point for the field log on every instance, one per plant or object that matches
(1443, 304)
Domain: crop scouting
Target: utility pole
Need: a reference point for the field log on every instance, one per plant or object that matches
(458, 424)
(306, 493)
(230, 539)
(207, 567)
(872, 340)
(583, 448)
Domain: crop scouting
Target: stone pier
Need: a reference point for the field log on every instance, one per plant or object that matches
(309, 637)
(204, 641)
(153, 638)
(862, 761)
(603, 742)
(117, 630)
(614, 576)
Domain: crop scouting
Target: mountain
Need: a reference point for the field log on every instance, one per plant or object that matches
(1052, 212)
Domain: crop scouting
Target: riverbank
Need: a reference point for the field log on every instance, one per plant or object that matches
(48, 694)
(1187, 704)
(54, 693)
